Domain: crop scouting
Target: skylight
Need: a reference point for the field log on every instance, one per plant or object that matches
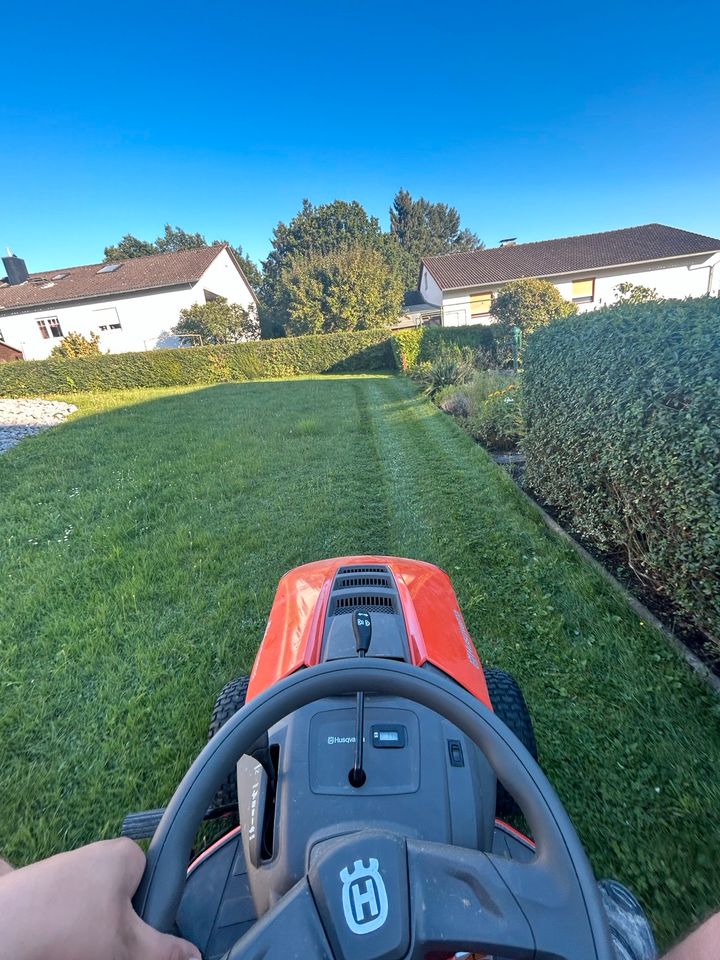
(110, 268)
(60, 276)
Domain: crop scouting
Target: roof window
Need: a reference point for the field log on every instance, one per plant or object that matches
(110, 268)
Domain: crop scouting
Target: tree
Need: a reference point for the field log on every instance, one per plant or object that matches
(529, 304)
(75, 345)
(347, 289)
(422, 229)
(217, 322)
(175, 239)
(627, 292)
(315, 232)
(248, 266)
(128, 248)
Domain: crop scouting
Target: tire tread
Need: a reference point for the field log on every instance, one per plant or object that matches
(509, 705)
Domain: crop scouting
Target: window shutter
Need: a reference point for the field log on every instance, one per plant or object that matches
(583, 289)
(480, 304)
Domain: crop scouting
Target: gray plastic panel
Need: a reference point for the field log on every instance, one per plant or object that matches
(435, 801)
(216, 908)
(331, 749)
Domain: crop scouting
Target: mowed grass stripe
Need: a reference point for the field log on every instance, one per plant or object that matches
(630, 739)
(183, 513)
(141, 545)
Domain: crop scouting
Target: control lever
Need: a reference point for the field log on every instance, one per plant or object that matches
(261, 752)
(362, 630)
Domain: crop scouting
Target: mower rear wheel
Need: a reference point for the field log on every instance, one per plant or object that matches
(509, 705)
(231, 699)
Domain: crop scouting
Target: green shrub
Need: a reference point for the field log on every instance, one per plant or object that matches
(367, 350)
(490, 406)
(530, 303)
(453, 400)
(406, 346)
(624, 439)
(486, 382)
(217, 321)
(332, 353)
(627, 292)
(498, 420)
(74, 344)
(451, 367)
(423, 344)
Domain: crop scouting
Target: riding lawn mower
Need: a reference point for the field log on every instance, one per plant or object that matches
(366, 770)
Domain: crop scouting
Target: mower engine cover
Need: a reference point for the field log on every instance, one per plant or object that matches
(424, 778)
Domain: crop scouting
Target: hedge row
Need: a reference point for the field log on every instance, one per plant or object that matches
(368, 350)
(624, 439)
(419, 344)
(334, 353)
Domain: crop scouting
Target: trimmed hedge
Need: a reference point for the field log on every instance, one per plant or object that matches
(624, 439)
(333, 353)
(421, 344)
(366, 350)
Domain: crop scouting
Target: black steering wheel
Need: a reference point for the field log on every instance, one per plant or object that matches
(374, 895)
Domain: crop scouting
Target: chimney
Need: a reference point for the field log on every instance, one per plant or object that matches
(508, 242)
(17, 272)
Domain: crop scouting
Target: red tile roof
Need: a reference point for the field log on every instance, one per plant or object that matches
(81, 283)
(549, 258)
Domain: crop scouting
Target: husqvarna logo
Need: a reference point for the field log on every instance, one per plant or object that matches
(364, 897)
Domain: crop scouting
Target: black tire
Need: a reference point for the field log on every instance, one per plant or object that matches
(509, 705)
(231, 699)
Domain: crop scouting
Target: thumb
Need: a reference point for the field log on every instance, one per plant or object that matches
(152, 945)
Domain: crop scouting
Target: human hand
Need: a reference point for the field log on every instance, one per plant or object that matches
(77, 906)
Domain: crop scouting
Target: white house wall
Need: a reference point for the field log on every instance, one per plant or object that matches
(673, 279)
(146, 318)
(222, 277)
(431, 292)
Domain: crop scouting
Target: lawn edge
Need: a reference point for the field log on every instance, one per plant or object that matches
(693, 661)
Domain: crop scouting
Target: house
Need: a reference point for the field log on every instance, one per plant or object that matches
(585, 269)
(8, 353)
(416, 312)
(131, 305)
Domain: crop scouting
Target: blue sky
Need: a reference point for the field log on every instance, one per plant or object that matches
(533, 120)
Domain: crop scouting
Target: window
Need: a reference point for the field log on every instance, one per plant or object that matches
(110, 268)
(55, 328)
(583, 291)
(210, 296)
(2, 338)
(107, 319)
(481, 304)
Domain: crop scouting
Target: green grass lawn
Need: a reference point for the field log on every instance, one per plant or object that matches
(140, 546)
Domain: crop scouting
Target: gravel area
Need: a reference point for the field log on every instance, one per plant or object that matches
(25, 418)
